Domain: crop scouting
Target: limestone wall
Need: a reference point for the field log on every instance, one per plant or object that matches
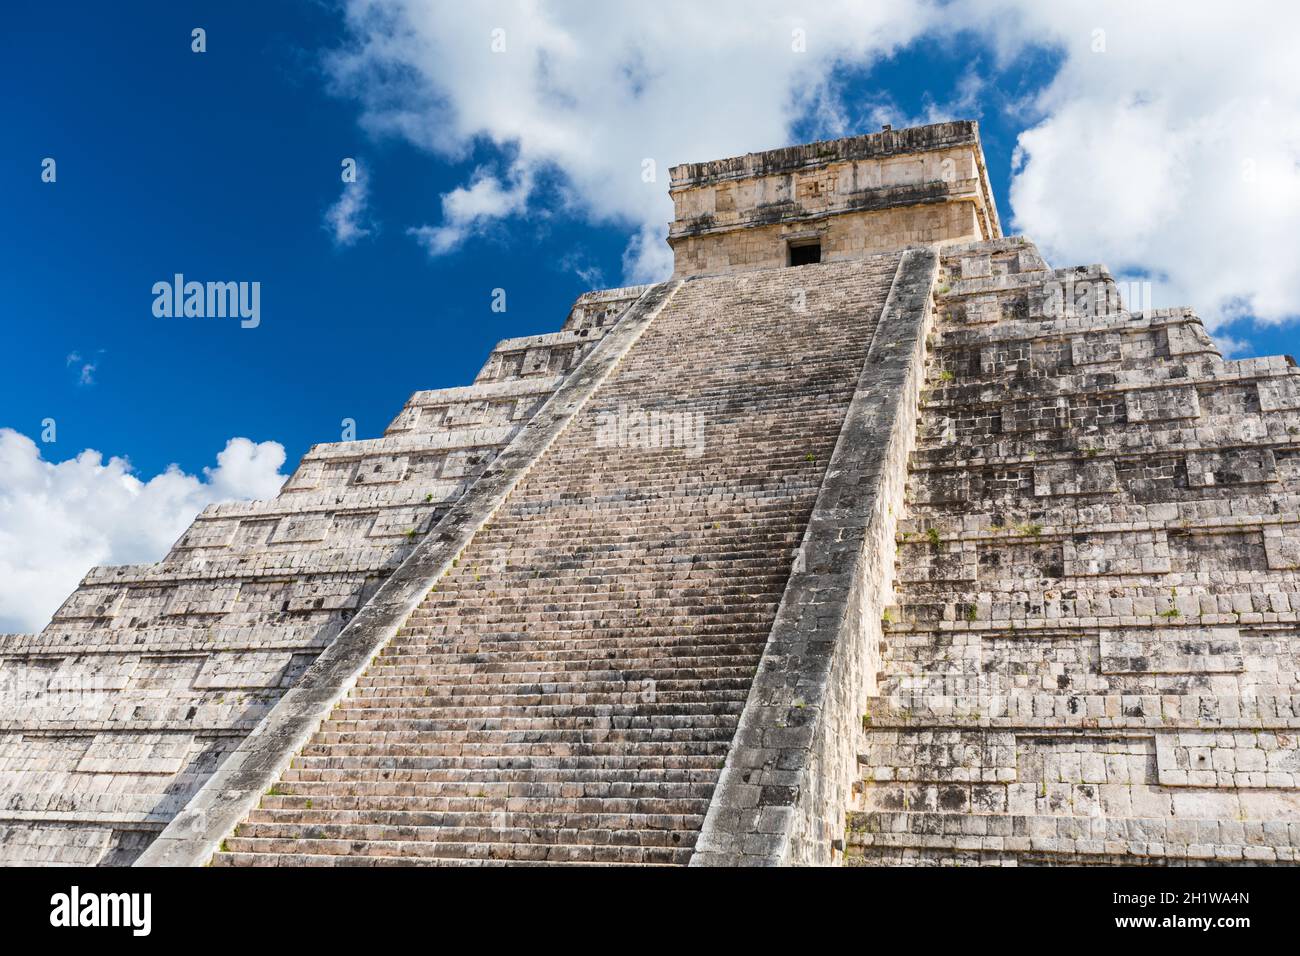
(1092, 654)
(857, 197)
(555, 675)
(228, 795)
(853, 236)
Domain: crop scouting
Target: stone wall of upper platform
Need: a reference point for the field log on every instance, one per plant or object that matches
(853, 197)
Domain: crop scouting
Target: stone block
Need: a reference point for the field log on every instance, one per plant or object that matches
(1165, 404)
(1074, 478)
(1171, 650)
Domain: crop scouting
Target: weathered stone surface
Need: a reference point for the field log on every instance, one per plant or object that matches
(568, 689)
(238, 786)
(855, 197)
(1118, 683)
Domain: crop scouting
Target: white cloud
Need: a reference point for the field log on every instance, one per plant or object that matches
(1173, 154)
(57, 520)
(1229, 346)
(591, 90)
(581, 265)
(647, 257)
(85, 369)
(348, 219)
(466, 211)
(965, 103)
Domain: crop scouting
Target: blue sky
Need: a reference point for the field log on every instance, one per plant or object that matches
(1162, 142)
(221, 165)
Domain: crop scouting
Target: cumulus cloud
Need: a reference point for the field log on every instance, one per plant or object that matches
(608, 95)
(58, 519)
(1166, 144)
(1229, 346)
(467, 210)
(965, 102)
(348, 219)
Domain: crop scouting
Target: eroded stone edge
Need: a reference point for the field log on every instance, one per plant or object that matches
(788, 776)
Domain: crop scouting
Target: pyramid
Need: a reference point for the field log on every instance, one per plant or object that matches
(867, 538)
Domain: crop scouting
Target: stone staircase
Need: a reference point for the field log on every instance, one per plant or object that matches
(1092, 656)
(568, 691)
(150, 676)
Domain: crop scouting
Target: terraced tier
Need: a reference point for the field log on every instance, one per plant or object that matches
(1092, 656)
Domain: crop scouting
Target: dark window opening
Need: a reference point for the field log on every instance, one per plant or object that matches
(806, 254)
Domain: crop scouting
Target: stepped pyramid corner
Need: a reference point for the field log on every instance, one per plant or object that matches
(867, 538)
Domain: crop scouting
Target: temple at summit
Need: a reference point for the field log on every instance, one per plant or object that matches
(868, 538)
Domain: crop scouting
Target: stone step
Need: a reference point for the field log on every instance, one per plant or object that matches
(394, 680)
(546, 766)
(475, 668)
(635, 744)
(377, 700)
(706, 639)
(578, 734)
(319, 853)
(599, 813)
(665, 700)
(510, 657)
(387, 840)
(471, 723)
(463, 795)
(516, 604)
